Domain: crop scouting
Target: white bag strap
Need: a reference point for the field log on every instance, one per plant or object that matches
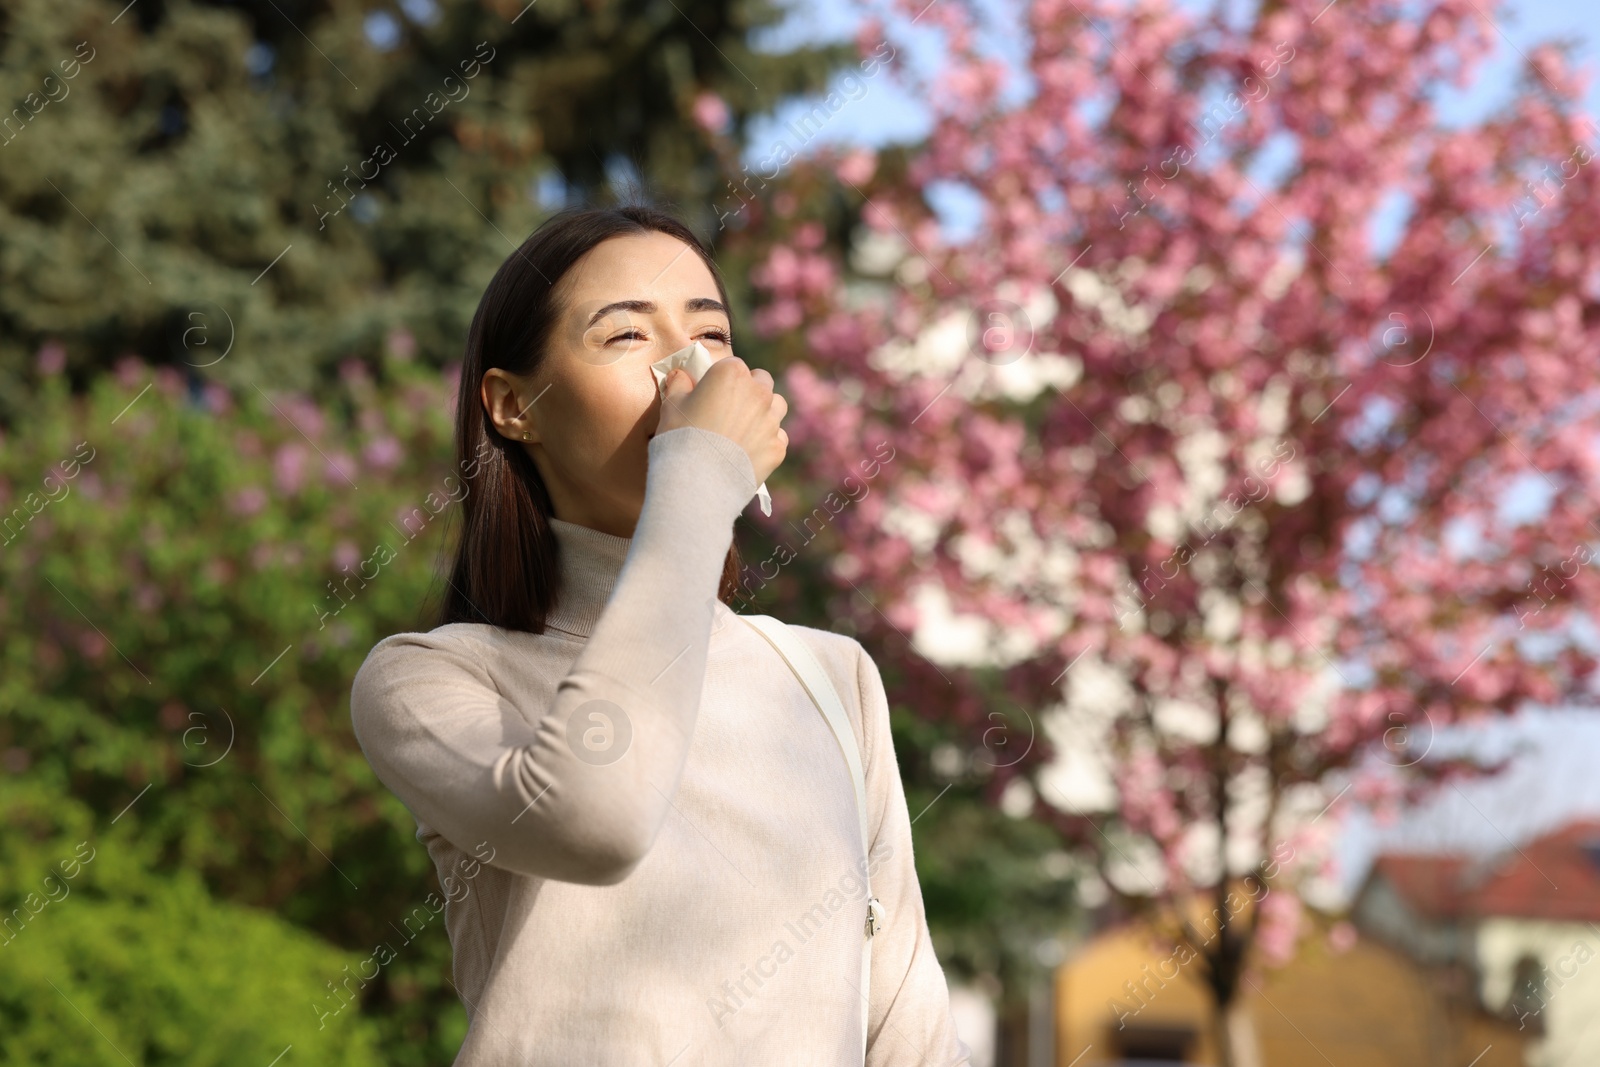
(814, 680)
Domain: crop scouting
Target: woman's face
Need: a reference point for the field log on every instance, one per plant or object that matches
(593, 405)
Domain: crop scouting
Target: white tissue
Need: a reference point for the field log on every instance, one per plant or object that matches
(696, 360)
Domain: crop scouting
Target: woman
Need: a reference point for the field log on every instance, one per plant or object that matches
(643, 828)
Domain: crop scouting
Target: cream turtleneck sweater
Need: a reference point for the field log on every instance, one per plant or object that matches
(645, 831)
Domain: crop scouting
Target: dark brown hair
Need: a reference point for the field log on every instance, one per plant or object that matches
(507, 568)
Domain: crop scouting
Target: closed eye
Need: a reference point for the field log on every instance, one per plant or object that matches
(720, 334)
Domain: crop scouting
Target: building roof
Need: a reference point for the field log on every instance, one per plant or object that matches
(1432, 885)
(1554, 877)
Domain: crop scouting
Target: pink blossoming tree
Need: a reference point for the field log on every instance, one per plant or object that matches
(1254, 425)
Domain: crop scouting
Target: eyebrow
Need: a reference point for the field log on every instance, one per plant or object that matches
(648, 307)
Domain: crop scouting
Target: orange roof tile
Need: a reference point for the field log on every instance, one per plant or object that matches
(1555, 877)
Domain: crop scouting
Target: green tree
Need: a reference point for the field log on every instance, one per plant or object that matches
(288, 181)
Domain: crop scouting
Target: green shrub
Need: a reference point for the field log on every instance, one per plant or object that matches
(168, 553)
(160, 973)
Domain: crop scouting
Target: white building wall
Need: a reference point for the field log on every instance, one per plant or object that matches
(975, 1022)
(1569, 1004)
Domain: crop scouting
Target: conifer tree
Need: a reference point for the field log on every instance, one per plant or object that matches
(259, 191)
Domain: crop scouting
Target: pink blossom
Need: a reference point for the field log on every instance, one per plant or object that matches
(130, 370)
(346, 555)
(289, 467)
(711, 111)
(383, 453)
(217, 399)
(170, 382)
(401, 344)
(249, 500)
(857, 166)
(340, 468)
(1281, 919)
(775, 318)
(780, 271)
(52, 359)
(92, 645)
(869, 35)
(302, 414)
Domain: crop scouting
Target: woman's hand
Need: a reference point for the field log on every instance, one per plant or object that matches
(734, 401)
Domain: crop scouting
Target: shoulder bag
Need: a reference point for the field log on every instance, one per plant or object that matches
(814, 680)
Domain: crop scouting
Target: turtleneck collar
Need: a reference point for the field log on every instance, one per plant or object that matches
(590, 562)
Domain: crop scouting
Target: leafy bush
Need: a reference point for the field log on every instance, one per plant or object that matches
(120, 963)
(170, 555)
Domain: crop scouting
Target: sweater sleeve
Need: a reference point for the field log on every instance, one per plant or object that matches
(909, 1021)
(577, 790)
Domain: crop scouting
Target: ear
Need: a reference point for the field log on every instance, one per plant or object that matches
(509, 405)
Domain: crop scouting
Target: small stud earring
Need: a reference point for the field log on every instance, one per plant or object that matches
(526, 436)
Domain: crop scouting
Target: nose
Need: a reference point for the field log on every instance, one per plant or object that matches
(675, 338)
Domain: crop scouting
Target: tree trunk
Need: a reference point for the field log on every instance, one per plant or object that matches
(1235, 1035)
(1011, 1033)
(1221, 1035)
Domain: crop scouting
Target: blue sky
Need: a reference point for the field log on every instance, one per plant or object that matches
(1549, 782)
